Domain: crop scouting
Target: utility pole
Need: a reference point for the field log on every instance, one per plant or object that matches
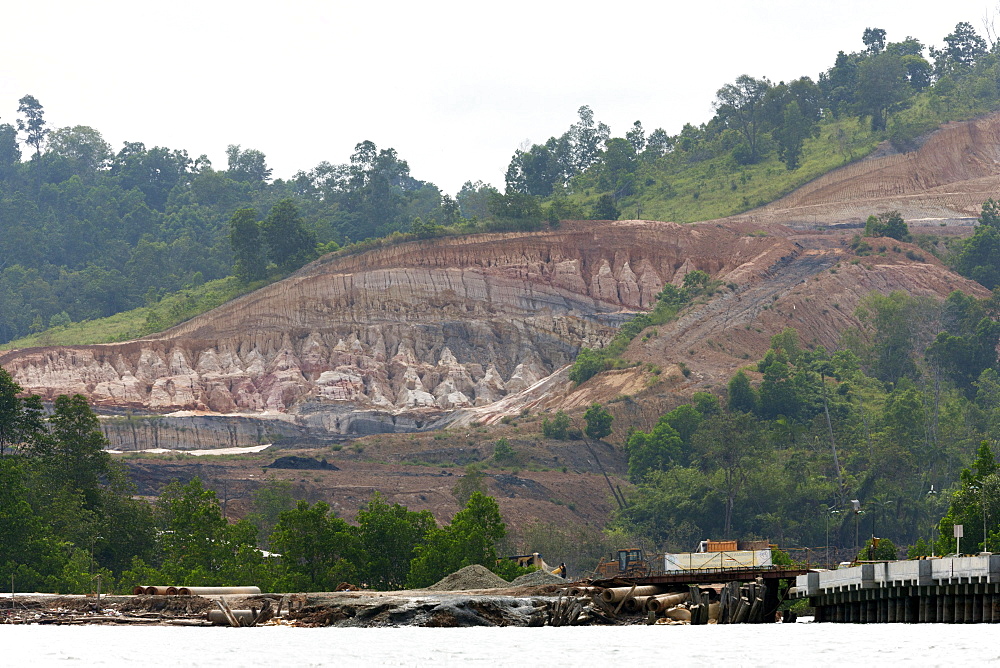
(832, 510)
(856, 507)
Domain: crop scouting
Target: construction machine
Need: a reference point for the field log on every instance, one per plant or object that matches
(535, 559)
(631, 562)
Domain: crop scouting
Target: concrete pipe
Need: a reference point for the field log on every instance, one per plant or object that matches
(216, 591)
(617, 594)
(172, 591)
(664, 601)
(218, 618)
(138, 590)
(157, 591)
(636, 604)
(678, 614)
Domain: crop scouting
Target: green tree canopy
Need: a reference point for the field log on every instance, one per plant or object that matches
(598, 421)
(471, 538)
(389, 537)
(318, 550)
(289, 244)
(248, 247)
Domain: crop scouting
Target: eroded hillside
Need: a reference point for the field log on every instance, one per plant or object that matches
(418, 328)
(397, 337)
(949, 177)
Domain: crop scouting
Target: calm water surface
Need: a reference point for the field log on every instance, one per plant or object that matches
(729, 646)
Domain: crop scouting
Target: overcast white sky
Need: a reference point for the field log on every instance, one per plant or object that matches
(453, 86)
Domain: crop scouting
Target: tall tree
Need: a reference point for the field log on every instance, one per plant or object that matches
(658, 450)
(248, 247)
(598, 421)
(82, 147)
(791, 135)
(471, 538)
(32, 122)
(740, 104)
(883, 88)
(729, 443)
(636, 137)
(963, 49)
(587, 137)
(289, 244)
(874, 40)
(839, 84)
(318, 550)
(742, 396)
(21, 420)
(73, 453)
(390, 535)
(198, 543)
(10, 152)
(249, 166)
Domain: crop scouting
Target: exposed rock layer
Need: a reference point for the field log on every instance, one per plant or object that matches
(421, 327)
(390, 338)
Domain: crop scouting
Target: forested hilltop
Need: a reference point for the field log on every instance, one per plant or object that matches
(87, 232)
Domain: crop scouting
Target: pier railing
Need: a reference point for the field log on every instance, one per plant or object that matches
(946, 589)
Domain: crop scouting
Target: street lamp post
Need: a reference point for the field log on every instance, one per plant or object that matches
(930, 494)
(880, 507)
(856, 508)
(981, 488)
(93, 539)
(830, 511)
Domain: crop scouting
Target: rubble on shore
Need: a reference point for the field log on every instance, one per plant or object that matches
(472, 596)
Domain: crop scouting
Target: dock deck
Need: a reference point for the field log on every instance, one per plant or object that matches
(947, 589)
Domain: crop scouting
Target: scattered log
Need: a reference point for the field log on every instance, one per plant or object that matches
(228, 613)
(265, 613)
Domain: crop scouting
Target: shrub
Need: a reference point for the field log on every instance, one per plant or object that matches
(557, 427)
(503, 453)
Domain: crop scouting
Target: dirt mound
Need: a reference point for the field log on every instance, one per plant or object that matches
(470, 577)
(302, 463)
(536, 578)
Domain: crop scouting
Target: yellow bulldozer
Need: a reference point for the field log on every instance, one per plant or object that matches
(535, 559)
(631, 563)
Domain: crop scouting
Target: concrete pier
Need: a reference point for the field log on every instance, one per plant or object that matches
(951, 590)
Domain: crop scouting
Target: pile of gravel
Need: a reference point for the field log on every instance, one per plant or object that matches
(470, 577)
(537, 578)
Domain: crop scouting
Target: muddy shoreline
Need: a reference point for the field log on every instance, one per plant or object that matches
(510, 606)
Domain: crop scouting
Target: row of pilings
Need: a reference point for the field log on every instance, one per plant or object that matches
(975, 603)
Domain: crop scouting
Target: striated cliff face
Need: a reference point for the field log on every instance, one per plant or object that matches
(421, 327)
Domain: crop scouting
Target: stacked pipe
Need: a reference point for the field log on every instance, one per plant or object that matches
(618, 594)
(158, 590)
(664, 602)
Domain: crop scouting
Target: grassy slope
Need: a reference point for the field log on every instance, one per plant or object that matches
(169, 311)
(718, 187)
(726, 188)
(713, 188)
